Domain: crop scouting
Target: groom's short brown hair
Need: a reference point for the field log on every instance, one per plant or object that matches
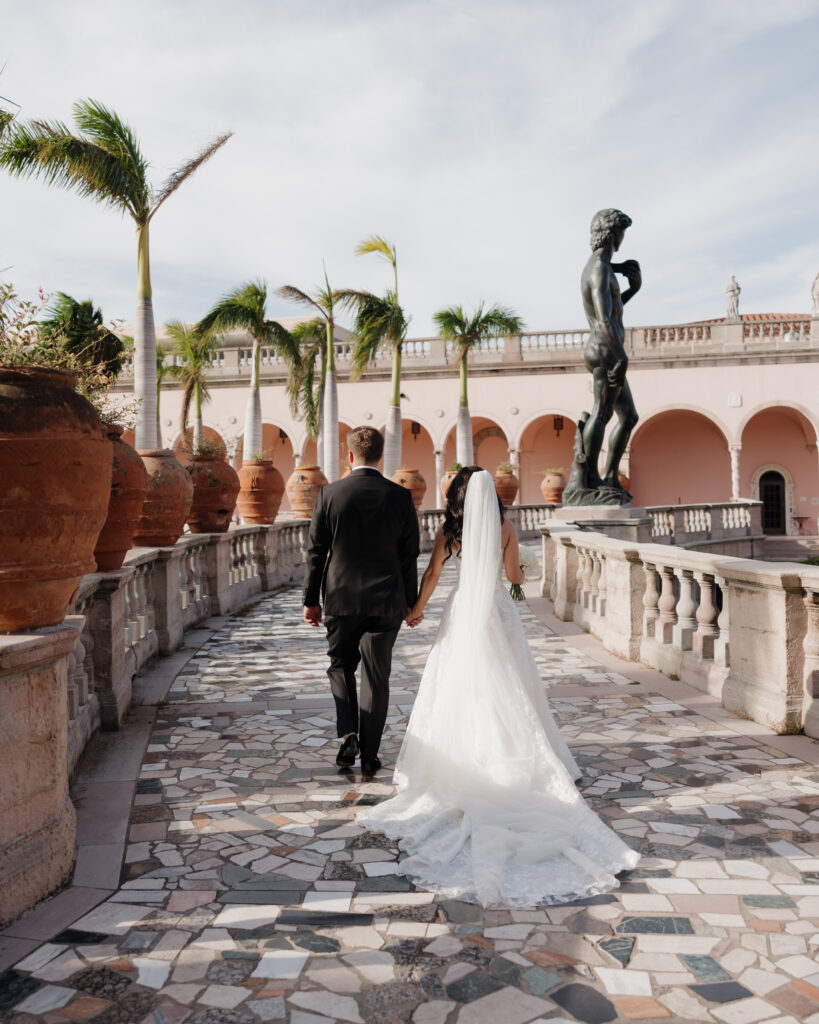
(366, 443)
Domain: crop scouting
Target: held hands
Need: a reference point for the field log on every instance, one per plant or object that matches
(414, 617)
(312, 614)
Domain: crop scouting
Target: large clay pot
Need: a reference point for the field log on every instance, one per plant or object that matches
(55, 482)
(260, 495)
(129, 482)
(552, 486)
(446, 480)
(506, 486)
(167, 500)
(303, 486)
(414, 482)
(215, 489)
(624, 481)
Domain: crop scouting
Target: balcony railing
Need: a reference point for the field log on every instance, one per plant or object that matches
(709, 339)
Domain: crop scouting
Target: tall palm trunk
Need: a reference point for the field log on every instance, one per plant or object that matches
(158, 423)
(464, 452)
(392, 434)
(146, 433)
(253, 416)
(330, 409)
(320, 448)
(198, 426)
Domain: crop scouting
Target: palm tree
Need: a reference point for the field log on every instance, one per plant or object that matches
(305, 398)
(244, 309)
(465, 332)
(321, 300)
(380, 321)
(194, 354)
(78, 328)
(103, 161)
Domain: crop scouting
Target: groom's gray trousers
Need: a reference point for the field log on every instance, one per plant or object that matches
(368, 639)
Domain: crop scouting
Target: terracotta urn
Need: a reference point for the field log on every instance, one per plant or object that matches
(129, 482)
(413, 481)
(261, 491)
(552, 486)
(215, 490)
(446, 480)
(624, 481)
(55, 468)
(506, 485)
(167, 500)
(302, 489)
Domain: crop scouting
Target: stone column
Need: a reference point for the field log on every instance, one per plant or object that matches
(113, 670)
(514, 461)
(216, 566)
(439, 476)
(37, 820)
(734, 449)
(166, 586)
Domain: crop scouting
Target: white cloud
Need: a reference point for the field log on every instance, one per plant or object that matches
(479, 137)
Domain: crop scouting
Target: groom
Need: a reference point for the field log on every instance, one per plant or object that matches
(361, 559)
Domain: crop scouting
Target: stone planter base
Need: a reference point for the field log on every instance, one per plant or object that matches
(37, 821)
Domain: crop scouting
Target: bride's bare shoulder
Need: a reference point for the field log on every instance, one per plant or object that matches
(507, 530)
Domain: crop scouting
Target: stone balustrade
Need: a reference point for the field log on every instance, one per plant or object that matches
(745, 631)
(702, 339)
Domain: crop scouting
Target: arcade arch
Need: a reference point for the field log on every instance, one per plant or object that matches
(546, 443)
(781, 440)
(679, 456)
(491, 447)
(418, 452)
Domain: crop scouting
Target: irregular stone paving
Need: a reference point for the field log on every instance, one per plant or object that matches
(250, 894)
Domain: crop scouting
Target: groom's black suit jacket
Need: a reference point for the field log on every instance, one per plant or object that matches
(363, 548)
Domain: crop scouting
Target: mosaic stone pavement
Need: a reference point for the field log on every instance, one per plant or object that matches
(248, 892)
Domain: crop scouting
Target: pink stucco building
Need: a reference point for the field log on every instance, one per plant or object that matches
(727, 410)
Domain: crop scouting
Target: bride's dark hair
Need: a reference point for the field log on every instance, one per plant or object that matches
(454, 512)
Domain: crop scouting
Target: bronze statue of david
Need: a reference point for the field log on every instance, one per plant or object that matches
(606, 360)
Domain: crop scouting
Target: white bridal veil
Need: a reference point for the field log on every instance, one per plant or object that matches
(487, 809)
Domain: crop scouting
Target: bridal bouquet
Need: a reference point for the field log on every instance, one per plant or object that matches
(530, 565)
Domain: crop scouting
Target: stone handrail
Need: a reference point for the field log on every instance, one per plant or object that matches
(527, 518)
(144, 608)
(733, 526)
(706, 338)
(745, 631)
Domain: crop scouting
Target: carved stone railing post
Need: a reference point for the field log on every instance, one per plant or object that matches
(722, 643)
(651, 596)
(811, 672)
(166, 583)
(216, 571)
(686, 624)
(666, 605)
(106, 623)
(707, 629)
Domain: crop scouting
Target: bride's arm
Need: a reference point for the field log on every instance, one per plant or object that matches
(430, 578)
(511, 553)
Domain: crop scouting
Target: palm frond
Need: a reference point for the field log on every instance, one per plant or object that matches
(243, 308)
(6, 117)
(107, 129)
(293, 294)
(49, 151)
(378, 321)
(184, 172)
(379, 245)
(283, 342)
(466, 331)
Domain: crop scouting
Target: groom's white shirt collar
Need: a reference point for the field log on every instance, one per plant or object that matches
(373, 469)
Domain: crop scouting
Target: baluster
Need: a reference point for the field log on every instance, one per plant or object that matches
(651, 596)
(707, 629)
(722, 650)
(578, 577)
(588, 569)
(141, 606)
(666, 604)
(594, 580)
(602, 585)
(810, 645)
(71, 689)
(685, 628)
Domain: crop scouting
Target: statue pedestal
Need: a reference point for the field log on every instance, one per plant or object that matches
(624, 522)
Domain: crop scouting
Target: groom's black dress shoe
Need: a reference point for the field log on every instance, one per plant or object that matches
(369, 765)
(347, 752)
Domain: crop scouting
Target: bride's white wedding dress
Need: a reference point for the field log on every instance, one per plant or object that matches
(487, 810)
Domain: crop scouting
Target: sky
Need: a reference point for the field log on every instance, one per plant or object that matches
(479, 137)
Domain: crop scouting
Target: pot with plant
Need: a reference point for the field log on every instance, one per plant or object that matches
(215, 488)
(413, 481)
(129, 483)
(303, 487)
(55, 464)
(506, 483)
(260, 491)
(552, 485)
(448, 477)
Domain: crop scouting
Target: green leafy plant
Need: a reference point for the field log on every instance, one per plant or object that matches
(506, 467)
(194, 353)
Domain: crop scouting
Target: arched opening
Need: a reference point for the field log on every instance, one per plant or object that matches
(491, 447)
(782, 441)
(418, 452)
(679, 457)
(182, 445)
(772, 496)
(547, 443)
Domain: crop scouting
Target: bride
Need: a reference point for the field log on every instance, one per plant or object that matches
(486, 809)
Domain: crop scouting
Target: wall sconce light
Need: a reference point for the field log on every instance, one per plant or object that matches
(415, 430)
(557, 423)
(282, 435)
